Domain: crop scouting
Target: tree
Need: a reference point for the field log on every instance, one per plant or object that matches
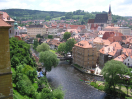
(69, 45)
(61, 48)
(50, 36)
(43, 47)
(49, 59)
(67, 35)
(69, 15)
(112, 72)
(39, 36)
(35, 44)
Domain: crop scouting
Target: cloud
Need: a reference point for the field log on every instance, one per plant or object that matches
(119, 7)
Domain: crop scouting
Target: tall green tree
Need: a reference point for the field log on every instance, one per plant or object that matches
(61, 48)
(67, 35)
(69, 45)
(112, 72)
(49, 59)
(35, 44)
(39, 36)
(43, 47)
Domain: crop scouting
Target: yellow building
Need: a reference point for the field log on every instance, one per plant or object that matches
(84, 54)
(33, 30)
(6, 90)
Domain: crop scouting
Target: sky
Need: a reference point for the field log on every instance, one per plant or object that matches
(118, 7)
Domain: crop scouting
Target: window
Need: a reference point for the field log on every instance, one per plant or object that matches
(88, 58)
(93, 49)
(125, 63)
(128, 64)
(128, 59)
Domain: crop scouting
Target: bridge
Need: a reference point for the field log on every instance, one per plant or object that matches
(64, 58)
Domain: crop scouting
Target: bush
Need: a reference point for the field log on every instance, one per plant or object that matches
(58, 93)
(50, 36)
(25, 87)
(92, 83)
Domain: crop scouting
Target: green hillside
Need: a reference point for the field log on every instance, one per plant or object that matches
(25, 14)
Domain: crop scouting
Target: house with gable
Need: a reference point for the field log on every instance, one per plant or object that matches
(128, 61)
(109, 52)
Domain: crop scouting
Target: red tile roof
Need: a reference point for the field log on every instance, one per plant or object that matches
(83, 44)
(121, 58)
(4, 24)
(127, 51)
(6, 17)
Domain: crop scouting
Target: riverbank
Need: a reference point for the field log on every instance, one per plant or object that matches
(84, 71)
(120, 92)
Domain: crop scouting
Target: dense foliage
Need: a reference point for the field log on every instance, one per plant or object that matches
(61, 48)
(69, 45)
(25, 14)
(43, 47)
(50, 36)
(35, 44)
(113, 73)
(20, 53)
(49, 59)
(24, 75)
(66, 35)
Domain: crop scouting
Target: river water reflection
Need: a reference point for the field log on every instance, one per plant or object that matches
(70, 79)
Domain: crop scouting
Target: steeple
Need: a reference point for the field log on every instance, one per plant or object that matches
(109, 9)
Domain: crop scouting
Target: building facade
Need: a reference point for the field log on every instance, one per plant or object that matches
(84, 55)
(6, 89)
(33, 30)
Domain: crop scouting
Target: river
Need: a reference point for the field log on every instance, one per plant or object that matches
(71, 81)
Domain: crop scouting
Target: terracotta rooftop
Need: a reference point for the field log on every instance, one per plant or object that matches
(121, 58)
(6, 17)
(4, 24)
(83, 44)
(98, 40)
(116, 45)
(112, 53)
(106, 42)
(102, 50)
(127, 51)
(72, 30)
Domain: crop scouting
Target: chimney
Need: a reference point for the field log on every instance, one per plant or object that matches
(1, 15)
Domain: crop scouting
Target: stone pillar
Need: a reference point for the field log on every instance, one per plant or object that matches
(6, 89)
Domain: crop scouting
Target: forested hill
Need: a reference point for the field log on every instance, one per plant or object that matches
(25, 14)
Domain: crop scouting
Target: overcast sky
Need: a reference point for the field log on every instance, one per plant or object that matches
(118, 7)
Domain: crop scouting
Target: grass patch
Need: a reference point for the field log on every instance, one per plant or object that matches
(57, 18)
(76, 65)
(123, 92)
(53, 51)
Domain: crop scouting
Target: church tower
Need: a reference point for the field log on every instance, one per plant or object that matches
(109, 15)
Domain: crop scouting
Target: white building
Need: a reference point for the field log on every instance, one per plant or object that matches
(128, 61)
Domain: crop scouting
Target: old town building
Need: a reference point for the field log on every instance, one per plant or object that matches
(84, 54)
(33, 30)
